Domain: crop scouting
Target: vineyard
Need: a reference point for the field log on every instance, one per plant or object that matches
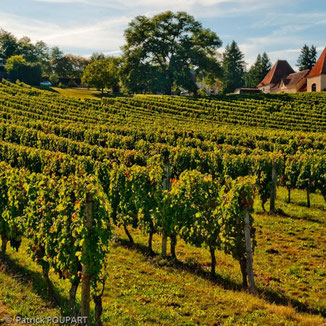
(235, 185)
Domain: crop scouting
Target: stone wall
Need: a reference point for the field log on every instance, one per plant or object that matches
(320, 82)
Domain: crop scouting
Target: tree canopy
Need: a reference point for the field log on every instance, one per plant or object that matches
(258, 70)
(234, 68)
(8, 44)
(166, 50)
(307, 57)
(52, 61)
(17, 68)
(102, 74)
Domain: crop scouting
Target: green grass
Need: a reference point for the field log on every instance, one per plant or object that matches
(81, 93)
(143, 290)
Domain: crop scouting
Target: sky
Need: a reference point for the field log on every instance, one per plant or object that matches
(81, 27)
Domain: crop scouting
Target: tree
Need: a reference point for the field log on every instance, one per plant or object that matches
(102, 73)
(54, 79)
(140, 77)
(26, 49)
(96, 57)
(266, 65)
(258, 70)
(307, 57)
(17, 68)
(52, 61)
(42, 53)
(233, 67)
(8, 44)
(77, 65)
(67, 66)
(252, 78)
(14, 62)
(32, 53)
(60, 64)
(164, 49)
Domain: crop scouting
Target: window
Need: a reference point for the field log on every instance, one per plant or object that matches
(313, 87)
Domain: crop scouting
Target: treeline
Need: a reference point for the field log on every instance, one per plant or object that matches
(29, 62)
(167, 53)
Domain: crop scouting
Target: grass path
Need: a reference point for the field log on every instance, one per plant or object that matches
(76, 92)
(5, 312)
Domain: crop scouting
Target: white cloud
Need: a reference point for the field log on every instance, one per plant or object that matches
(287, 38)
(149, 3)
(199, 8)
(275, 45)
(106, 35)
(303, 19)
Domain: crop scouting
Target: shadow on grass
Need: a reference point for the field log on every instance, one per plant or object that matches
(282, 214)
(47, 88)
(304, 204)
(109, 95)
(100, 95)
(196, 269)
(37, 281)
(305, 218)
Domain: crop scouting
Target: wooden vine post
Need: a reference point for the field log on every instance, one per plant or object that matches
(86, 278)
(308, 194)
(249, 259)
(4, 245)
(273, 190)
(166, 186)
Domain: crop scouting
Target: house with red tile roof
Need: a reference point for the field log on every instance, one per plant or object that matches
(282, 78)
(294, 83)
(316, 80)
(271, 82)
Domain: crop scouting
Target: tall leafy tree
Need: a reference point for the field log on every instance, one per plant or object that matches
(258, 70)
(8, 44)
(32, 53)
(140, 77)
(63, 67)
(77, 65)
(52, 62)
(102, 74)
(42, 53)
(60, 65)
(97, 56)
(234, 68)
(18, 68)
(307, 57)
(164, 49)
(27, 49)
(67, 65)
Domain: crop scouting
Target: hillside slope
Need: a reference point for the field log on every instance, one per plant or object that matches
(224, 136)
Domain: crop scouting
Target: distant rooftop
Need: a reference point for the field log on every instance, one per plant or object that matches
(294, 78)
(320, 66)
(280, 70)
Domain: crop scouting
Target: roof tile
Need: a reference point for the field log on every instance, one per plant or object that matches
(280, 70)
(320, 66)
(294, 78)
